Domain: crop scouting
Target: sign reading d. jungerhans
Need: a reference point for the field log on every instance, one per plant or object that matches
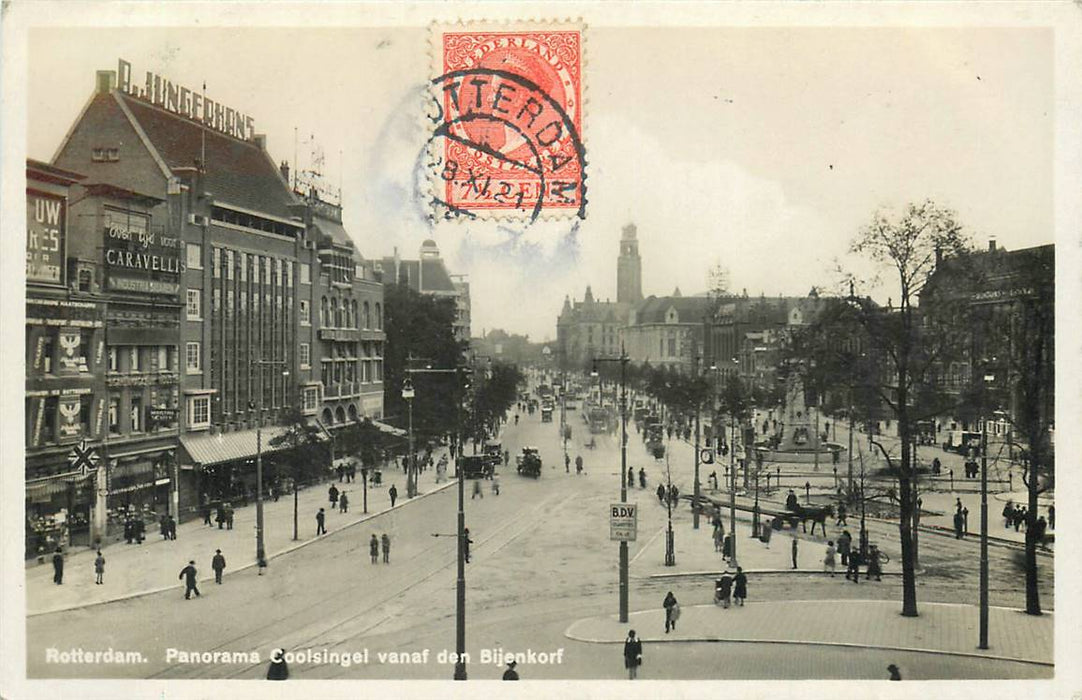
(623, 521)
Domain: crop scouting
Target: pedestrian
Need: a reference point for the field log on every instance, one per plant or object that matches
(278, 670)
(845, 541)
(631, 477)
(672, 611)
(320, 529)
(218, 564)
(674, 494)
(385, 540)
(1019, 515)
(791, 501)
(965, 519)
(1008, 515)
(343, 503)
(852, 572)
(660, 493)
(957, 524)
(99, 569)
(727, 546)
(172, 528)
(511, 674)
(58, 567)
(632, 655)
(567, 463)
(220, 516)
(841, 516)
(1052, 516)
(466, 542)
(393, 493)
(341, 472)
(740, 586)
(828, 560)
(332, 494)
(495, 485)
(1039, 529)
(714, 479)
(140, 530)
(723, 589)
(205, 511)
(578, 464)
(188, 573)
(373, 548)
(477, 491)
(229, 513)
(719, 537)
(642, 478)
(895, 675)
(874, 568)
(794, 550)
(163, 526)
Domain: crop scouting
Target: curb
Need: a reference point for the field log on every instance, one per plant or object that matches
(849, 645)
(820, 572)
(245, 567)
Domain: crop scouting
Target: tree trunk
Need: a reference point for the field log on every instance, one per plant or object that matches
(1033, 595)
(905, 525)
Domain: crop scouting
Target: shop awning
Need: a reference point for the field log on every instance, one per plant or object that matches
(228, 447)
(389, 429)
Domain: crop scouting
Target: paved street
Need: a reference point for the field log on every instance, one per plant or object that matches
(541, 564)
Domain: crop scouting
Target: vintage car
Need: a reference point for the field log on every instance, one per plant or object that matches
(529, 462)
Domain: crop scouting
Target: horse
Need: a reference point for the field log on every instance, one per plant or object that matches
(817, 514)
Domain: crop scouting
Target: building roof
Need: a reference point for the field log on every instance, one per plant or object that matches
(430, 272)
(39, 170)
(655, 309)
(333, 230)
(236, 172)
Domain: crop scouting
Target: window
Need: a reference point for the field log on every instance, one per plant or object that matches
(367, 317)
(305, 355)
(306, 273)
(305, 313)
(194, 256)
(289, 273)
(114, 359)
(229, 264)
(137, 414)
(163, 358)
(311, 399)
(133, 359)
(194, 361)
(242, 260)
(86, 278)
(379, 317)
(195, 304)
(114, 415)
(198, 411)
(216, 300)
(216, 261)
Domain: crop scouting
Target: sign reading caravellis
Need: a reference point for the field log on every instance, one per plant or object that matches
(187, 103)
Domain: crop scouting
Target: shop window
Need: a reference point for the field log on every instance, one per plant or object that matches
(47, 346)
(86, 404)
(198, 411)
(195, 304)
(194, 256)
(193, 359)
(48, 425)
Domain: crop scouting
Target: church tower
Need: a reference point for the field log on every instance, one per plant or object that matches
(629, 268)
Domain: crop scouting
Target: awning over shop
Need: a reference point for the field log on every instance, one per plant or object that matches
(228, 447)
(389, 429)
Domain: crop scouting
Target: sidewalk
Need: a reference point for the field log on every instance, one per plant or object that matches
(133, 570)
(942, 628)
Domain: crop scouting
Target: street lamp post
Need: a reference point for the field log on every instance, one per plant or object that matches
(698, 408)
(411, 475)
(983, 643)
(260, 548)
(623, 360)
(670, 539)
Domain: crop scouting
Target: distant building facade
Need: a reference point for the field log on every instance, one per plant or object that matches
(429, 275)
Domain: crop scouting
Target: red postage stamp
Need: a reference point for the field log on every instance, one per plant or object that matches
(507, 138)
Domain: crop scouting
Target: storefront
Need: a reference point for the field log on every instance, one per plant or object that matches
(58, 513)
(139, 486)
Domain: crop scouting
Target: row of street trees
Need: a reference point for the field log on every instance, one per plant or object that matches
(896, 361)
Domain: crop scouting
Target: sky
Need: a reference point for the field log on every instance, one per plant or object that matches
(762, 150)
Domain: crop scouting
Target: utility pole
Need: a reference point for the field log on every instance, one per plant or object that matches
(983, 644)
(698, 409)
(623, 360)
(260, 549)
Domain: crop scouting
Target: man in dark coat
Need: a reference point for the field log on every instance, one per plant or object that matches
(278, 670)
(511, 674)
(845, 542)
(958, 524)
(188, 573)
(740, 586)
(791, 501)
(171, 523)
(631, 477)
(343, 503)
(385, 540)
(332, 495)
(58, 567)
(393, 493)
(320, 529)
(632, 655)
(373, 548)
(218, 564)
(660, 493)
(672, 611)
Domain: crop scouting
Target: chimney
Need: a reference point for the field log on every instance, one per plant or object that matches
(992, 244)
(261, 141)
(105, 80)
(284, 169)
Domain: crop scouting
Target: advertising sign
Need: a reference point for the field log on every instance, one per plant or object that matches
(44, 238)
(139, 258)
(623, 521)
